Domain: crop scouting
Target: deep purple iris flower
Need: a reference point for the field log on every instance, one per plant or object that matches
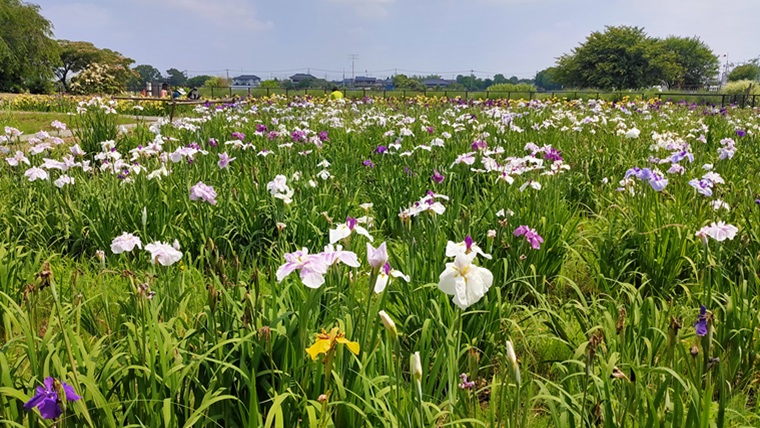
(212, 142)
(368, 163)
(47, 401)
(701, 324)
(323, 136)
(261, 128)
(468, 243)
(351, 222)
(298, 136)
(381, 149)
(740, 133)
(238, 135)
(479, 145)
(437, 177)
(553, 154)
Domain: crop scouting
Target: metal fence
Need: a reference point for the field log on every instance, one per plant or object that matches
(742, 100)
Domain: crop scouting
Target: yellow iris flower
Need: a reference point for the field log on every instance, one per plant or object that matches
(328, 341)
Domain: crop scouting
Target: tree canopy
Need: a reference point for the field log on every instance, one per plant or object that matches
(749, 71)
(28, 54)
(198, 81)
(624, 57)
(175, 77)
(145, 73)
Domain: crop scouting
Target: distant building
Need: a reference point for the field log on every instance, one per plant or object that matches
(367, 82)
(437, 83)
(301, 77)
(246, 80)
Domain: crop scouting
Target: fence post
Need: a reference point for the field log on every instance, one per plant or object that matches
(230, 91)
(723, 100)
(212, 92)
(384, 95)
(509, 95)
(530, 95)
(488, 94)
(446, 94)
(364, 93)
(403, 93)
(249, 92)
(267, 91)
(466, 94)
(753, 100)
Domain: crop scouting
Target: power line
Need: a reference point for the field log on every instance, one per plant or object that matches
(353, 58)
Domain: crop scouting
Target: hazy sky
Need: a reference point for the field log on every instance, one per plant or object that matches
(447, 37)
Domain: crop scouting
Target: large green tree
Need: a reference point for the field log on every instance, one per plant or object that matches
(683, 62)
(75, 57)
(28, 54)
(625, 57)
(616, 58)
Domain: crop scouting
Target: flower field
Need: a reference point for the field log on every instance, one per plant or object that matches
(382, 263)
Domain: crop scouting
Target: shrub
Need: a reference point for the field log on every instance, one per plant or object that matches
(511, 87)
(741, 87)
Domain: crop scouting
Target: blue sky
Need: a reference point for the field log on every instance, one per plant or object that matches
(274, 38)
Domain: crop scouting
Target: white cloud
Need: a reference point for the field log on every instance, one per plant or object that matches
(236, 14)
(367, 8)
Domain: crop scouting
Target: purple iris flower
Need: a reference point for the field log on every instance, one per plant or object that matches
(703, 186)
(238, 135)
(468, 243)
(534, 239)
(740, 133)
(212, 142)
(261, 128)
(47, 401)
(701, 324)
(430, 129)
(465, 384)
(351, 222)
(640, 173)
(298, 136)
(381, 149)
(368, 163)
(679, 156)
(408, 171)
(658, 182)
(479, 145)
(323, 136)
(437, 176)
(553, 154)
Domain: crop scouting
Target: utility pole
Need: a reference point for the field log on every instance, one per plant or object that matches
(228, 73)
(353, 58)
